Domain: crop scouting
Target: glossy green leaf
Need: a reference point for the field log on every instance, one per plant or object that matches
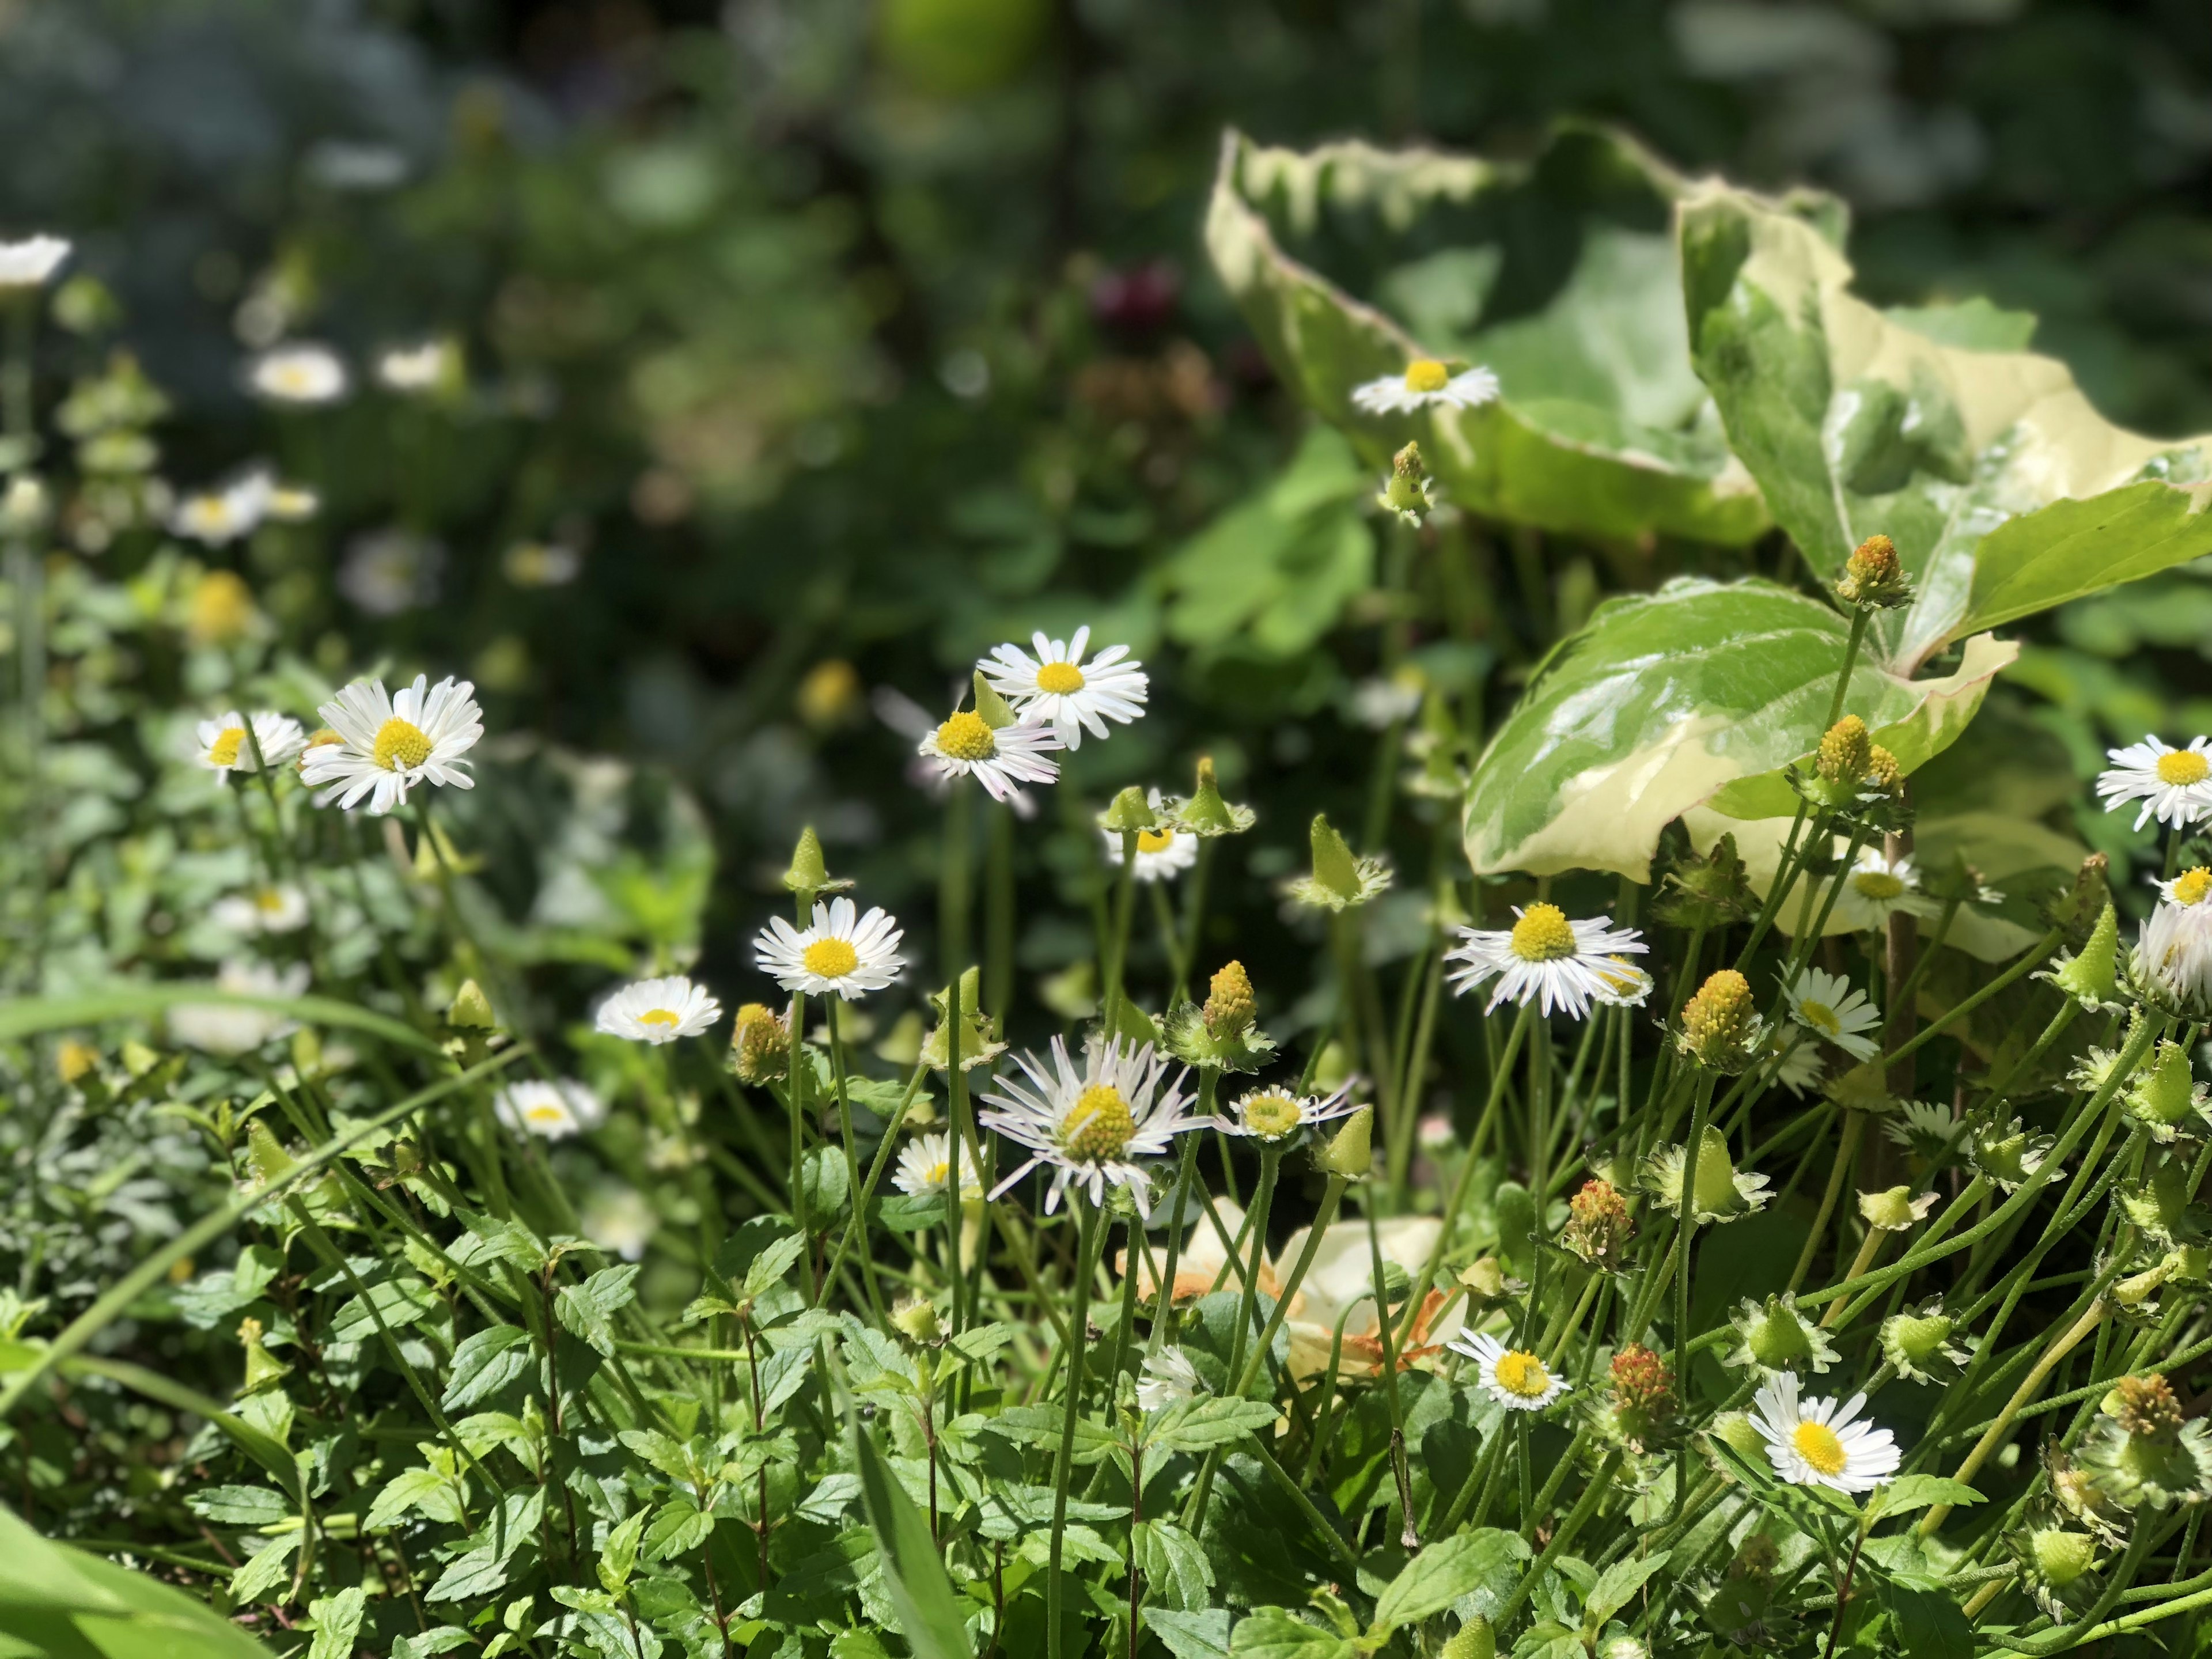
(1617, 1587)
(1444, 1572)
(1278, 1633)
(929, 1611)
(1695, 695)
(1560, 275)
(485, 1361)
(2004, 489)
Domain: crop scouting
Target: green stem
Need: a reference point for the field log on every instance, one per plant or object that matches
(1086, 1254)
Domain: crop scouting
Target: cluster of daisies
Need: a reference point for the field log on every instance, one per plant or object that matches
(2173, 948)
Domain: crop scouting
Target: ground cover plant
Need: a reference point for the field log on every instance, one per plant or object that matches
(1692, 1154)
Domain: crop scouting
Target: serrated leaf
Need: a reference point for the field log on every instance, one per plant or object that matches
(1199, 1634)
(338, 1623)
(1041, 1426)
(1173, 1564)
(773, 1263)
(586, 1311)
(1930, 1624)
(1616, 1587)
(410, 1491)
(1444, 1572)
(1921, 1491)
(663, 1451)
(485, 1361)
(679, 1527)
(1559, 274)
(1278, 1633)
(929, 1615)
(2004, 489)
(1198, 1424)
(267, 1569)
(240, 1506)
(1695, 695)
(398, 1302)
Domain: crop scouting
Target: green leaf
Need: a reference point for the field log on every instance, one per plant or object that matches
(484, 1362)
(267, 1570)
(773, 1263)
(338, 1623)
(2005, 491)
(1930, 1624)
(1616, 1587)
(1041, 1426)
(238, 1506)
(1278, 1633)
(64, 1602)
(397, 1301)
(679, 1528)
(928, 1612)
(1560, 275)
(1697, 694)
(1444, 1572)
(1970, 324)
(1173, 1564)
(663, 1451)
(1202, 1634)
(409, 1491)
(586, 1311)
(1922, 1492)
(618, 1557)
(1198, 1424)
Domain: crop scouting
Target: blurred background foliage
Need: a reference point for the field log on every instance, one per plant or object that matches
(813, 346)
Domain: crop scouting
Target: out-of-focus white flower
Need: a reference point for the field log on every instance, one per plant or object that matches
(1545, 958)
(550, 1111)
(387, 572)
(1425, 383)
(1163, 852)
(541, 564)
(303, 372)
(2173, 785)
(281, 908)
(388, 744)
(1877, 889)
(1379, 704)
(658, 1010)
(216, 518)
(925, 1170)
(2173, 951)
(424, 367)
(843, 952)
(223, 1028)
(221, 745)
(1057, 687)
(618, 1219)
(32, 262)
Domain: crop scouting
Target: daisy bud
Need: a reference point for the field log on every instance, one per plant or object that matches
(1204, 813)
(1475, 1639)
(2061, 1556)
(1641, 1382)
(977, 1045)
(1230, 1009)
(1774, 1337)
(263, 1369)
(2008, 1155)
(1737, 1430)
(2165, 1095)
(1883, 771)
(914, 1318)
(74, 1059)
(2143, 1405)
(1707, 892)
(472, 1009)
(808, 874)
(760, 1046)
(2091, 889)
(2188, 1264)
(1720, 1026)
(1845, 752)
(1896, 1210)
(1622, 1647)
(1485, 1277)
(1598, 1226)
(1873, 577)
(1351, 1152)
(1406, 492)
(1131, 812)
(2091, 975)
(1918, 1344)
(1340, 878)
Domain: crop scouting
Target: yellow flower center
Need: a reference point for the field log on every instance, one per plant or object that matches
(965, 738)
(2183, 766)
(659, 1017)
(1878, 884)
(1099, 1126)
(2191, 886)
(224, 752)
(1155, 841)
(1821, 1017)
(1817, 1444)
(1542, 934)
(1060, 678)
(401, 744)
(1621, 976)
(546, 1112)
(940, 1172)
(830, 958)
(270, 900)
(1272, 1115)
(1426, 374)
(1522, 1375)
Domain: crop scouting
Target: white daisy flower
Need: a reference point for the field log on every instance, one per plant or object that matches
(966, 745)
(2192, 887)
(2173, 949)
(658, 1010)
(32, 262)
(388, 743)
(1275, 1114)
(216, 518)
(925, 1168)
(1801, 1068)
(1875, 888)
(1516, 1379)
(1091, 1125)
(1817, 1442)
(289, 503)
(1925, 1129)
(541, 564)
(222, 1028)
(1826, 1005)
(281, 908)
(392, 571)
(619, 1218)
(302, 373)
(552, 1111)
(1626, 984)
(1378, 704)
(221, 745)
(1059, 688)
(2173, 785)
(422, 368)
(843, 951)
(1170, 1379)
(1163, 852)
(1545, 957)
(1426, 382)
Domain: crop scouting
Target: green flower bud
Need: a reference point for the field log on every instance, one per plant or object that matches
(1895, 1211)
(808, 874)
(1340, 878)
(472, 1009)
(1845, 752)
(1230, 1009)
(914, 1318)
(1737, 1430)
(2061, 1556)
(1204, 813)
(263, 1369)
(1131, 812)
(1873, 576)
(1475, 1639)
(2091, 977)
(1721, 1024)
(1351, 1152)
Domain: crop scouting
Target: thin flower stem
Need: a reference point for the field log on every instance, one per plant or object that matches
(956, 854)
(1685, 1236)
(1117, 945)
(852, 1153)
(1870, 1248)
(1255, 1228)
(1329, 1198)
(1163, 1286)
(998, 911)
(1193, 932)
(1959, 1010)
(1086, 1254)
(1846, 1155)
(857, 1225)
(1568, 1528)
